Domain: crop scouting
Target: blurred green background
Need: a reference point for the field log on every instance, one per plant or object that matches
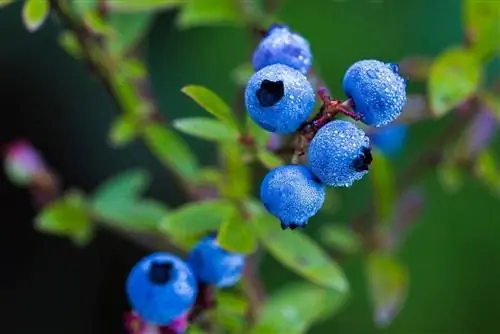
(452, 254)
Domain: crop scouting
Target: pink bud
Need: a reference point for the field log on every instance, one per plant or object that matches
(22, 162)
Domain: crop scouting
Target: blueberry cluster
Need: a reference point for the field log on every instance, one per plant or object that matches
(280, 99)
(162, 287)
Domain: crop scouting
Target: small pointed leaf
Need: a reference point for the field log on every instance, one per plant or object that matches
(212, 103)
(300, 253)
(67, 217)
(388, 284)
(295, 307)
(236, 236)
(196, 219)
(34, 13)
(203, 12)
(454, 77)
(172, 151)
(206, 128)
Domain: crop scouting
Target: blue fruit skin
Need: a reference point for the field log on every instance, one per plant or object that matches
(281, 46)
(292, 194)
(212, 264)
(389, 139)
(160, 304)
(377, 89)
(283, 115)
(334, 152)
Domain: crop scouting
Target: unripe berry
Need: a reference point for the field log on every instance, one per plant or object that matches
(292, 194)
(281, 46)
(212, 264)
(339, 154)
(377, 90)
(279, 99)
(161, 288)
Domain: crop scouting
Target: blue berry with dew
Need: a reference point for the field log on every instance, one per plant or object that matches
(214, 265)
(279, 99)
(377, 90)
(389, 139)
(339, 154)
(161, 288)
(292, 194)
(282, 46)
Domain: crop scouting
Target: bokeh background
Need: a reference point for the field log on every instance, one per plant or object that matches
(47, 285)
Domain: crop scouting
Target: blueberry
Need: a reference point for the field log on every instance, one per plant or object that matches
(339, 154)
(292, 194)
(389, 139)
(377, 90)
(279, 99)
(282, 46)
(212, 264)
(160, 288)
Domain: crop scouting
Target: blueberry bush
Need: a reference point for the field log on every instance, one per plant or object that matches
(202, 275)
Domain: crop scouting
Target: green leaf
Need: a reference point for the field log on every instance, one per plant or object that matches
(202, 12)
(96, 23)
(237, 179)
(128, 185)
(196, 219)
(295, 307)
(486, 169)
(268, 159)
(144, 5)
(123, 131)
(4, 3)
(341, 238)
(128, 30)
(481, 20)
(230, 302)
(236, 236)
(67, 217)
(143, 215)
(34, 13)
(455, 76)
(206, 128)
(230, 312)
(242, 74)
(84, 6)
(212, 103)
(383, 186)
(69, 42)
(172, 151)
(388, 285)
(300, 253)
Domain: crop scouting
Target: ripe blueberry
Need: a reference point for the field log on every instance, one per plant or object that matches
(212, 264)
(339, 154)
(389, 139)
(281, 46)
(279, 99)
(160, 288)
(377, 90)
(292, 194)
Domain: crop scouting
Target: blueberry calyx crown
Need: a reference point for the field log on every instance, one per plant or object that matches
(394, 67)
(270, 92)
(273, 27)
(160, 272)
(363, 161)
(292, 226)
